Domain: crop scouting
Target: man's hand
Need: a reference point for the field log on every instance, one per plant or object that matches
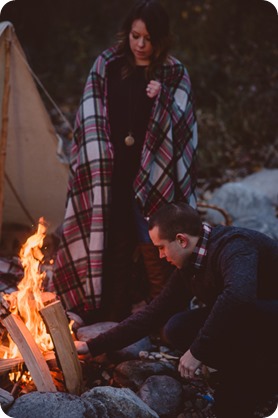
(188, 365)
(81, 347)
(83, 351)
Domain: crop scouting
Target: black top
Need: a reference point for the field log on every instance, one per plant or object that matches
(129, 110)
(240, 269)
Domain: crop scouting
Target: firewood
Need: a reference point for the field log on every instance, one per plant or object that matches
(30, 352)
(48, 297)
(4, 349)
(9, 364)
(56, 320)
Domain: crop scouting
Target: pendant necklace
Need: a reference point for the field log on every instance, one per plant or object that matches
(129, 139)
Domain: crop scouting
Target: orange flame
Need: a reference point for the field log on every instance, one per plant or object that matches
(27, 301)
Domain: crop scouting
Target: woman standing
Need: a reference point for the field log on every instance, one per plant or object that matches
(134, 149)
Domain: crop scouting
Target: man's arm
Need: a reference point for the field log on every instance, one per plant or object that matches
(172, 299)
(237, 270)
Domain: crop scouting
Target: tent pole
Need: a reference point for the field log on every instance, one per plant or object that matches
(4, 128)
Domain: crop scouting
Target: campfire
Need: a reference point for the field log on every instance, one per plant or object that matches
(37, 325)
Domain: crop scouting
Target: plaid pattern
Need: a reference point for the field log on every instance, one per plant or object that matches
(200, 251)
(11, 272)
(166, 174)
(167, 164)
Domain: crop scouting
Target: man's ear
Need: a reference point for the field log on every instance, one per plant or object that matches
(182, 239)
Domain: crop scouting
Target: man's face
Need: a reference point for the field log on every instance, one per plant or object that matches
(174, 251)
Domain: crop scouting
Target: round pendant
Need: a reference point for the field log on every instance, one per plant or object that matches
(129, 141)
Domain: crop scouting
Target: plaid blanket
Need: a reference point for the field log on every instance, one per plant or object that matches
(166, 174)
(11, 273)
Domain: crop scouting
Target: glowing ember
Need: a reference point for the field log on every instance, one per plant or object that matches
(27, 301)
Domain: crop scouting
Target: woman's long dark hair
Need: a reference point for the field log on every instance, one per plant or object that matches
(157, 24)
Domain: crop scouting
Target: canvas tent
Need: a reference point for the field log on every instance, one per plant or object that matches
(33, 181)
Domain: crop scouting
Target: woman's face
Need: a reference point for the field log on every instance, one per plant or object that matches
(140, 43)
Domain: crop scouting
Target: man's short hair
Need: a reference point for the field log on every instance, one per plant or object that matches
(175, 218)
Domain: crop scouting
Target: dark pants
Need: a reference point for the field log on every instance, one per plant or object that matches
(244, 356)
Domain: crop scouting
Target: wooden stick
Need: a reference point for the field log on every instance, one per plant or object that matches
(226, 216)
(168, 356)
(30, 352)
(4, 128)
(56, 320)
(9, 364)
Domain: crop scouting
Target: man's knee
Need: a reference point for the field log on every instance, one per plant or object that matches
(171, 332)
(183, 327)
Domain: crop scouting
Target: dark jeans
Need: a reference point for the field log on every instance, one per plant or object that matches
(245, 356)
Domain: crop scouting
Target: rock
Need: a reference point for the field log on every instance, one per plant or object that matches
(127, 353)
(250, 202)
(239, 201)
(77, 320)
(267, 226)
(6, 399)
(120, 403)
(143, 355)
(164, 394)
(265, 182)
(132, 351)
(54, 405)
(246, 206)
(92, 331)
(133, 373)
(100, 407)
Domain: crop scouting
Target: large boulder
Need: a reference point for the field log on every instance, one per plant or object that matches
(248, 203)
(239, 201)
(54, 405)
(265, 182)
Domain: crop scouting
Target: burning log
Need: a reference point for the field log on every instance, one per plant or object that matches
(29, 350)
(35, 321)
(8, 364)
(55, 318)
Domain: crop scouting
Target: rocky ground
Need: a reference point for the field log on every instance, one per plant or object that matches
(143, 367)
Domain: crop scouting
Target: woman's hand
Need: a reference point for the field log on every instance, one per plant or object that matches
(188, 365)
(153, 88)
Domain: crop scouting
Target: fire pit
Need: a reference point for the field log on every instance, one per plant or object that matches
(37, 325)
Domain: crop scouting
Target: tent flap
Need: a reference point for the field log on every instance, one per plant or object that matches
(35, 179)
